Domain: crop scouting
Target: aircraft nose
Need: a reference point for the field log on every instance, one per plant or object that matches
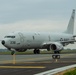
(3, 42)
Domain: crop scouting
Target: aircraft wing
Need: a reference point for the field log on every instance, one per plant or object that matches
(58, 42)
(47, 43)
(69, 41)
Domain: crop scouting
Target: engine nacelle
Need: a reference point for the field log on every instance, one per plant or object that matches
(56, 46)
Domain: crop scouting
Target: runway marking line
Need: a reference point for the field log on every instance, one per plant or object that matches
(22, 67)
(45, 62)
(17, 60)
(14, 60)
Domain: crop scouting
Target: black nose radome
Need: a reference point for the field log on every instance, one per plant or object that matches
(3, 42)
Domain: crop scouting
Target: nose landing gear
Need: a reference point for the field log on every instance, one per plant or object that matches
(12, 52)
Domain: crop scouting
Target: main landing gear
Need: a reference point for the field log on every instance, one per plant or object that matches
(36, 51)
(56, 55)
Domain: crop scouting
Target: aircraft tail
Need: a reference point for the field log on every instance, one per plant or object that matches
(70, 28)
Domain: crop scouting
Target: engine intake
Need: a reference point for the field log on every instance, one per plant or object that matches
(56, 46)
(53, 47)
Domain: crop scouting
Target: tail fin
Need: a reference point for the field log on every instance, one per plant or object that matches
(70, 28)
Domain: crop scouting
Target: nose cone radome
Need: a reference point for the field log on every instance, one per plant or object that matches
(3, 42)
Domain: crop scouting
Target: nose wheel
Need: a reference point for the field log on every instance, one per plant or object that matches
(12, 52)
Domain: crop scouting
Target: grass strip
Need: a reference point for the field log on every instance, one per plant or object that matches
(71, 72)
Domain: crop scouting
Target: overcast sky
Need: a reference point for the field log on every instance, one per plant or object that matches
(35, 15)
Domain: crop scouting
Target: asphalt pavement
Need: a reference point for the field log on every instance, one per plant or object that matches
(33, 64)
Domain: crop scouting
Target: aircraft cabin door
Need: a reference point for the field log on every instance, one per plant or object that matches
(21, 39)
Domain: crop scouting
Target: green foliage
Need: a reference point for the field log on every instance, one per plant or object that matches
(71, 72)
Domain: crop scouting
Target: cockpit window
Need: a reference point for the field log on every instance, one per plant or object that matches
(9, 36)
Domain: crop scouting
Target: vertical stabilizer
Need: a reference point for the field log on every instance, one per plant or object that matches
(70, 28)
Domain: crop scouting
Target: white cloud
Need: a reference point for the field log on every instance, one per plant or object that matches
(18, 10)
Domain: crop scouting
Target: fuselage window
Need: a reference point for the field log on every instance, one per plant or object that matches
(61, 39)
(33, 38)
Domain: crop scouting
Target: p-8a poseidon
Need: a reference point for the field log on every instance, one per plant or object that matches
(21, 41)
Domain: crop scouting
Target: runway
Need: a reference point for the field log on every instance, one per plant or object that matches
(33, 64)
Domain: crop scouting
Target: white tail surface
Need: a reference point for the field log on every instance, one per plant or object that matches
(70, 28)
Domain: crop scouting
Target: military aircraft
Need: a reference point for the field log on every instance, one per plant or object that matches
(21, 41)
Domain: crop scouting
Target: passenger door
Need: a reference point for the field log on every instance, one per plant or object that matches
(21, 39)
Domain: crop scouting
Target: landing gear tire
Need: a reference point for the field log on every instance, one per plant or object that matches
(56, 56)
(12, 52)
(36, 51)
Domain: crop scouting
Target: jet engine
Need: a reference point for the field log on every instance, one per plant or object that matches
(56, 46)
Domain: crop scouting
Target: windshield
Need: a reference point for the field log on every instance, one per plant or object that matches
(9, 36)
